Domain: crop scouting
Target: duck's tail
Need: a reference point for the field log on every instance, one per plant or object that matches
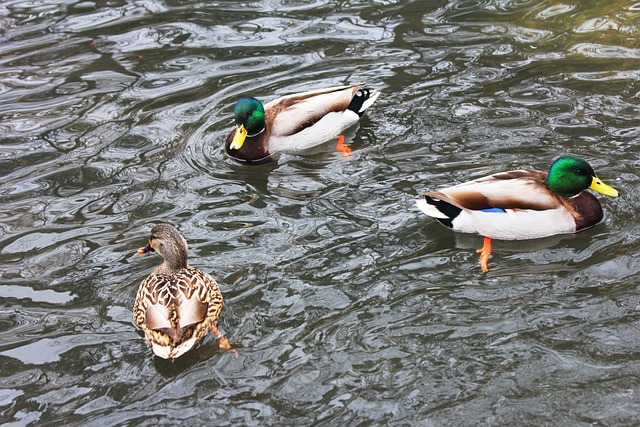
(441, 210)
(363, 99)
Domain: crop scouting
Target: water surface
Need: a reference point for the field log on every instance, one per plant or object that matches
(346, 306)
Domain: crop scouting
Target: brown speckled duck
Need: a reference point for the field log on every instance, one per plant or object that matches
(521, 204)
(295, 123)
(176, 305)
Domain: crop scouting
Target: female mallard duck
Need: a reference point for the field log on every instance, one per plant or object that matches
(521, 204)
(295, 123)
(177, 304)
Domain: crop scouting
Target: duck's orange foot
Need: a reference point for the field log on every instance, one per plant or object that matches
(342, 147)
(223, 342)
(484, 252)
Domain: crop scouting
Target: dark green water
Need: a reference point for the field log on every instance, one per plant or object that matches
(346, 305)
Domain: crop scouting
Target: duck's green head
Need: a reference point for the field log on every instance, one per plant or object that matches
(249, 114)
(570, 175)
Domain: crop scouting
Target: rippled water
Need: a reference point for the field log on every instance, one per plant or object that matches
(345, 305)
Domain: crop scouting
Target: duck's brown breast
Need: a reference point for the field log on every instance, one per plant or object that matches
(585, 209)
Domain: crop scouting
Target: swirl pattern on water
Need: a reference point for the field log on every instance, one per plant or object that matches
(345, 305)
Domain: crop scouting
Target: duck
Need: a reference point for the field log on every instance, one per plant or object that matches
(295, 123)
(176, 305)
(521, 204)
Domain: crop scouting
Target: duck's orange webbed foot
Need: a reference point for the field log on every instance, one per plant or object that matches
(342, 147)
(223, 342)
(484, 252)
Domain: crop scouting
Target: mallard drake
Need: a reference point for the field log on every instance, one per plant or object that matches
(177, 304)
(295, 123)
(521, 204)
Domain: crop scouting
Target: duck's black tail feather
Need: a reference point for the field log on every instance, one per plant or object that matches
(442, 211)
(363, 99)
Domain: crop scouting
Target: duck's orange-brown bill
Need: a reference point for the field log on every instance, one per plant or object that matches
(342, 147)
(484, 252)
(145, 249)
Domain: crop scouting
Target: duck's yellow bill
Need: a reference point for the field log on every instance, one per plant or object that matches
(602, 188)
(238, 139)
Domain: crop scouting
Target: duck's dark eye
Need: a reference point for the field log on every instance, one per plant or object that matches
(579, 171)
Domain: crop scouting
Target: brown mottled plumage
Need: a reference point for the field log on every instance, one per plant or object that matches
(177, 305)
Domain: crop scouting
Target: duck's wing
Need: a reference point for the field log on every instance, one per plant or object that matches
(177, 301)
(513, 190)
(151, 309)
(291, 114)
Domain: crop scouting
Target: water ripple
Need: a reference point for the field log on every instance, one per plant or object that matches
(345, 305)
(603, 51)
